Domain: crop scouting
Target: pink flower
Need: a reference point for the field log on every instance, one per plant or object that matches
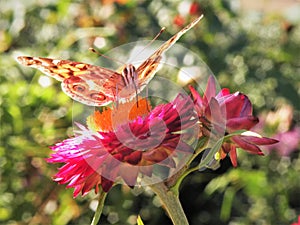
(297, 223)
(280, 123)
(224, 113)
(288, 142)
(130, 148)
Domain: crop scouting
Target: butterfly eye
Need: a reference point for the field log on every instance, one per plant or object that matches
(98, 96)
(78, 88)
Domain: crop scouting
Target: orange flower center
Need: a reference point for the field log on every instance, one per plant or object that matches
(110, 118)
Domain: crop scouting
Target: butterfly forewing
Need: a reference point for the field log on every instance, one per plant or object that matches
(147, 69)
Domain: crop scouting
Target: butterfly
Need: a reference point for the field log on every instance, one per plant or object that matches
(98, 86)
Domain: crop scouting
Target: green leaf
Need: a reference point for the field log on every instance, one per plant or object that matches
(211, 153)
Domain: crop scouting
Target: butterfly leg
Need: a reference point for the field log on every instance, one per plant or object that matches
(147, 97)
(136, 94)
(117, 96)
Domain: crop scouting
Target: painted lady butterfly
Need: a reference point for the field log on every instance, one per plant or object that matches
(98, 86)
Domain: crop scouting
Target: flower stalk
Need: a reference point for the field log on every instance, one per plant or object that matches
(98, 212)
(171, 203)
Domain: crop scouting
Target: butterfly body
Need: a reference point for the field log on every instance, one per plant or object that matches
(97, 86)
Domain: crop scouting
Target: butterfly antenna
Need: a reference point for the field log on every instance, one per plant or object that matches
(107, 57)
(156, 36)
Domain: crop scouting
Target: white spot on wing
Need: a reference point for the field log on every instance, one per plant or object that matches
(92, 85)
(56, 61)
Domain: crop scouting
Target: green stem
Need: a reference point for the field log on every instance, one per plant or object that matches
(186, 171)
(99, 209)
(171, 203)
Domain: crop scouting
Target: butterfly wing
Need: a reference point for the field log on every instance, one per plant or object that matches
(95, 85)
(88, 84)
(147, 69)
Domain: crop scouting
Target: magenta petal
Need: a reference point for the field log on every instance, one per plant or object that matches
(106, 184)
(237, 105)
(222, 93)
(216, 115)
(210, 90)
(134, 158)
(247, 146)
(77, 190)
(233, 156)
(129, 174)
(260, 140)
(197, 98)
(247, 107)
(226, 147)
(213, 104)
(90, 183)
(239, 123)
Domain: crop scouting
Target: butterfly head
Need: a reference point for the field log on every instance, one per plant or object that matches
(129, 75)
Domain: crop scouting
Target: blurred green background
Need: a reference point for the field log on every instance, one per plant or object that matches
(253, 47)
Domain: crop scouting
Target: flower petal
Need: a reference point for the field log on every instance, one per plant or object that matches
(222, 93)
(106, 184)
(259, 140)
(210, 90)
(129, 174)
(252, 148)
(239, 123)
(233, 156)
(198, 100)
(237, 105)
(215, 115)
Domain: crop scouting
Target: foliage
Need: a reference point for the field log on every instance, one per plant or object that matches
(258, 55)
